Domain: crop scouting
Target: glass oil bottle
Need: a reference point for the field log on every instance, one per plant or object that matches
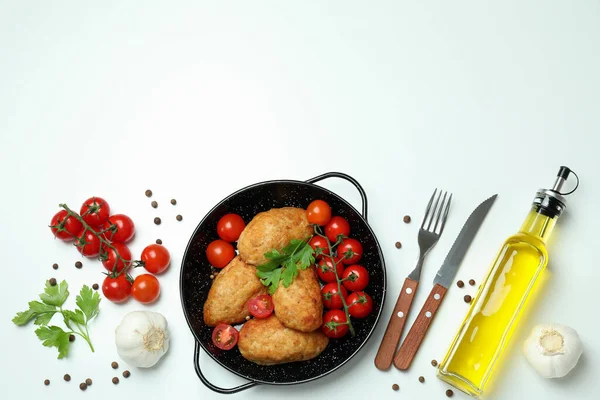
(494, 313)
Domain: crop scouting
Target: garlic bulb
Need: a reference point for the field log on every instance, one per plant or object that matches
(553, 350)
(142, 338)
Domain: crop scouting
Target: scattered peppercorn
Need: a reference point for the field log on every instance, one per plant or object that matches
(472, 282)
(52, 282)
(421, 379)
(126, 373)
(395, 386)
(115, 380)
(434, 363)
(179, 217)
(460, 284)
(154, 204)
(157, 221)
(173, 201)
(71, 338)
(88, 381)
(67, 377)
(114, 364)
(95, 286)
(83, 386)
(148, 193)
(398, 245)
(47, 382)
(78, 264)
(406, 219)
(468, 299)
(449, 393)
(55, 266)
(158, 241)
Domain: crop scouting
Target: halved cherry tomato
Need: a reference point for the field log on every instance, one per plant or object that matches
(318, 212)
(337, 226)
(145, 289)
(355, 278)
(112, 263)
(64, 227)
(319, 242)
(261, 306)
(331, 296)
(360, 304)
(219, 253)
(225, 336)
(351, 250)
(124, 229)
(156, 258)
(230, 227)
(335, 324)
(116, 289)
(95, 211)
(88, 244)
(325, 269)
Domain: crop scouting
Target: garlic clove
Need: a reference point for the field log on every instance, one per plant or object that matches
(553, 350)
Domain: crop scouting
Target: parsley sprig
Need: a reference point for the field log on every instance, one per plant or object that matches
(51, 303)
(283, 264)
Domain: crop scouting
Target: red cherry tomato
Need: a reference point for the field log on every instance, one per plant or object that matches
(331, 296)
(124, 228)
(360, 304)
(156, 258)
(335, 324)
(319, 242)
(114, 264)
(337, 226)
(116, 289)
(219, 253)
(230, 227)
(318, 212)
(88, 244)
(325, 269)
(95, 211)
(261, 306)
(351, 250)
(145, 289)
(225, 336)
(64, 227)
(355, 278)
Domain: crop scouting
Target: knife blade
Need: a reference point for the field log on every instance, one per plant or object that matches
(441, 283)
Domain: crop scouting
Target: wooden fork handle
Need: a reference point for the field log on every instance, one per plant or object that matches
(417, 332)
(393, 332)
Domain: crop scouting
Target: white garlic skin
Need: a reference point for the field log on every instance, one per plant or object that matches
(553, 350)
(142, 338)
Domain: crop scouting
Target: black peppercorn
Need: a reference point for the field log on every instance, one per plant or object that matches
(406, 219)
(114, 364)
(71, 338)
(154, 204)
(398, 245)
(126, 374)
(83, 386)
(67, 377)
(88, 381)
(52, 282)
(158, 241)
(157, 221)
(95, 286)
(460, 284)
(395, 386)
(468, 299)
(115, 380)
(449, 393)
(78, 264)
(55, 266)
(472, 282)
(421, 379)
(47, 382)
(148, 193)
(173, 201)
(179, 217)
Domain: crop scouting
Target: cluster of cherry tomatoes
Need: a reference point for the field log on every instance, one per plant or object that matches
(337, 256)
(220, 252)
(98, 234)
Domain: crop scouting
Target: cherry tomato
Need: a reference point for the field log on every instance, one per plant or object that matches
(88, 244)
(219, 253)
(156, 258)
(319, 242)
(230, 226)
(337, 226)
(355, 278)
(145, 289)
(116, 289)
(360, 304)
(112, 263)
(225, 336)
(64, 227)
(334, 324)
(261, 306)
(318, 212)
(325, 269)
(331, 296)
(95, 211)
(351, 250)
(124, 228)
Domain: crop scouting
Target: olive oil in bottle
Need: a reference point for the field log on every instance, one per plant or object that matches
(502, 296)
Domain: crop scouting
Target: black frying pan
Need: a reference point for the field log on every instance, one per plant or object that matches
(195, 280)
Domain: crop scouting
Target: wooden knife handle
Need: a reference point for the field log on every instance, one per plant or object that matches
(393, 332)
(417, 332)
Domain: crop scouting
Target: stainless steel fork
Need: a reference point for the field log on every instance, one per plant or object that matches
(431, 229)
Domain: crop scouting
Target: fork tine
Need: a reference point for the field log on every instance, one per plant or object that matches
(440, 212)
(446, 214)
(428, 208)
(437, 200)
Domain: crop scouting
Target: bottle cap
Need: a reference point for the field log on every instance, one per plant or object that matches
(552, 202)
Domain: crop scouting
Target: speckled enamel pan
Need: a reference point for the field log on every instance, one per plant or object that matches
(195, 281)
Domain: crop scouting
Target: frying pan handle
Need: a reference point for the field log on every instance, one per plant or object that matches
(350, 179)
(210, 385)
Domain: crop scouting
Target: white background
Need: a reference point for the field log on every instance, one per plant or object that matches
(195, 100)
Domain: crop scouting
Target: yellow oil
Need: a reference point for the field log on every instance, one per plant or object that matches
(494, 313)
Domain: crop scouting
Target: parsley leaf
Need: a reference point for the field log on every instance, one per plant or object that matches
(55, 295)
(282, 265)
(53, 336)
(88, 301)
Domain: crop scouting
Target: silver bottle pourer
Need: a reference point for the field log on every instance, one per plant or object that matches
(552, 202)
